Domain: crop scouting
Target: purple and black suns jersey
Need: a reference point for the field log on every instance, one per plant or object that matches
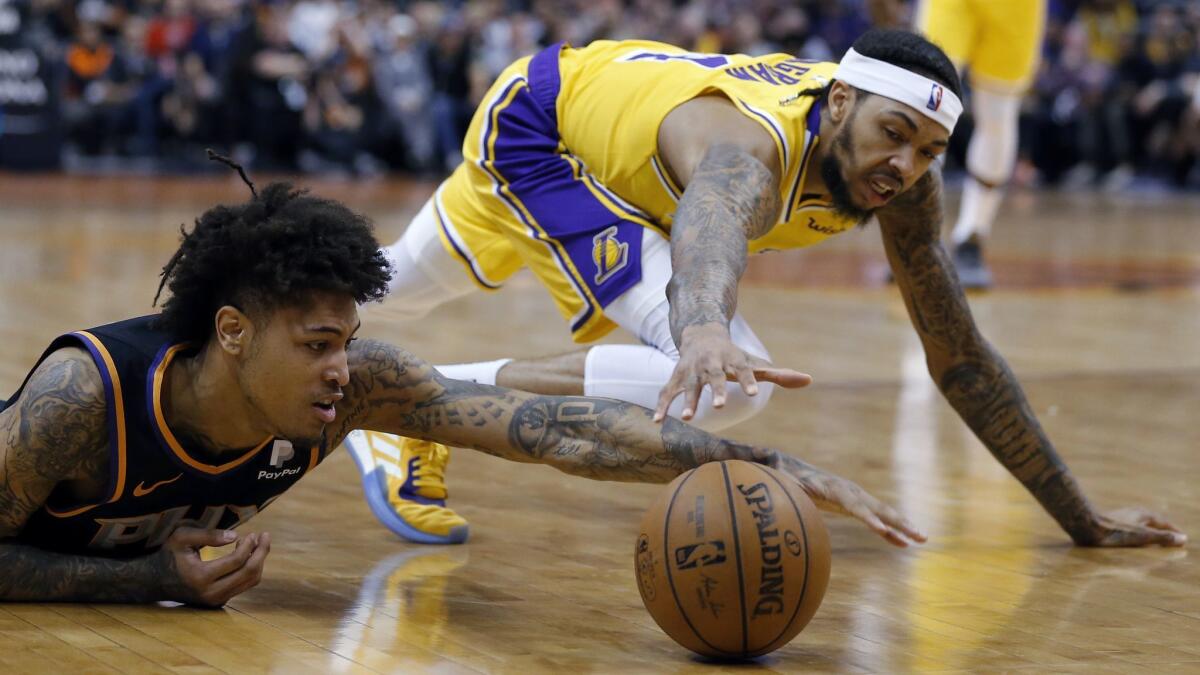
(155, 483)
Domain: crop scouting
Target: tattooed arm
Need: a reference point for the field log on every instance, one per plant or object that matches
(603, 439)
(57, 432)
(730, 171)
(977, 381)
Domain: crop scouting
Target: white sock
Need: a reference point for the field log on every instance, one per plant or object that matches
(991, 156)
(979, 206)
(483, 372)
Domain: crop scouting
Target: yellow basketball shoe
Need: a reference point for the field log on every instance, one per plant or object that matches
(404, 482)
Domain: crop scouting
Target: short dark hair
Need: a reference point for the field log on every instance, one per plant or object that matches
(906, 50)
(266, 253)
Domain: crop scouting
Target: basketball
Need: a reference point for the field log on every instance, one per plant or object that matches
(732, 560)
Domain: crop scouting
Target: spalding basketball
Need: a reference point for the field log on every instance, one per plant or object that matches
(733, 559)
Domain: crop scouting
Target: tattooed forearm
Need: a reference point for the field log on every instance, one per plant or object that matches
(974, 378)
(731, 198)
(613, 440)
(57, 430)
(597, 438)
(34, 575)
(392, 391)
(987, 395)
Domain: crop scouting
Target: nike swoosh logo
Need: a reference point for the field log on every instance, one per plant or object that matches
(140, 490)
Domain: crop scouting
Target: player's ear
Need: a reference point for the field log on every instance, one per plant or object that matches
(840, 101)
(234, 329)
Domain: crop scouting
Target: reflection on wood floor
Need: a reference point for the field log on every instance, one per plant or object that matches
(1098, 312)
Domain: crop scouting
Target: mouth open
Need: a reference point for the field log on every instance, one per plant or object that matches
(326, 411)
(881, 189)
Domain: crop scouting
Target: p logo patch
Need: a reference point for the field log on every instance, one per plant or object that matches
(281, 452)
(935, 97)
(609, 254)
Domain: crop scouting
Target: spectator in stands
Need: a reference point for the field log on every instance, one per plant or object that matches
(449, 62)
(1118, 92)
(268, 76)
(404, 87)
(98, 92)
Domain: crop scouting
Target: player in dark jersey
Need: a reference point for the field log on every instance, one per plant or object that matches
(131, 446)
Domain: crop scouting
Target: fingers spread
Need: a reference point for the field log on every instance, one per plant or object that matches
(899, 522)
(1144, 536)
(1170, 538)
(878, 526)
(717, 384)
(668, 394)
(1157, 522)
(745, 377)
(888, 533)
(691, 397)
(784, 377)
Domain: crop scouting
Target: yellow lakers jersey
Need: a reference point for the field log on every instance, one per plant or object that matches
(615, 96)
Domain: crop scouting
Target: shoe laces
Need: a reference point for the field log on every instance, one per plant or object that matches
(430, 467)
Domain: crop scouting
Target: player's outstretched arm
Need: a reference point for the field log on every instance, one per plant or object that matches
(58, 431)
(977, 381)
(602, 439)
(730, 173)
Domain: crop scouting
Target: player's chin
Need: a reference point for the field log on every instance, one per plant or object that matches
(306, 426)
(306, 438)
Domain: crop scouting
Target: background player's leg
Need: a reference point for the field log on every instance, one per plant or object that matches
(403, 478)
(991, 156)
(424, 274)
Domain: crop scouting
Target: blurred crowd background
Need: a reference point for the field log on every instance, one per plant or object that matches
(363, 87)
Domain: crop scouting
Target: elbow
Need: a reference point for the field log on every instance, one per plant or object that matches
(970, 355)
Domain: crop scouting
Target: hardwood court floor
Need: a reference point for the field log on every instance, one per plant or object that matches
(1098, 313)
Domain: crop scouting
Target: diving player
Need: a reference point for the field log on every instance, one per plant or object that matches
(633, 178)
(131, 446)
(999, 44)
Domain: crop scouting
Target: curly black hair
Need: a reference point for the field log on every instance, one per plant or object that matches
(266, 253)
(906, 50)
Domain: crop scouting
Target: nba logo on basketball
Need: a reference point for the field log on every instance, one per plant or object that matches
(935, 97)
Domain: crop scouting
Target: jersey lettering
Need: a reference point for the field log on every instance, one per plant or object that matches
(154, 528)
(785, 73)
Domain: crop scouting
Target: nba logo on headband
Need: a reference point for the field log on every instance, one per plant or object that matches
(898, 84)
(935, 97)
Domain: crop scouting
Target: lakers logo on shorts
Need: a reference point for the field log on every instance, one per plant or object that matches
(609, 254)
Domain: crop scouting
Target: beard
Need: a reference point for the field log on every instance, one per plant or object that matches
(835, 181)
(266, 408)
(306, 443)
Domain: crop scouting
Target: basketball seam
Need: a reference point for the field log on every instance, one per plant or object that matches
(667, 564)
(807, 557)
(737, 556)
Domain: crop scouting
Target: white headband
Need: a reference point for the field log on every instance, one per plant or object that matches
(879, 77)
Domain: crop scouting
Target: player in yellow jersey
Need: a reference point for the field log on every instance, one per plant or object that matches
(633, 178)
(998, 44)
